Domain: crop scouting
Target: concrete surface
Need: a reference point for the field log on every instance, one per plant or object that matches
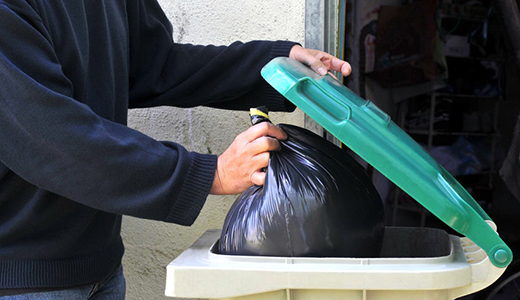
(151, 245)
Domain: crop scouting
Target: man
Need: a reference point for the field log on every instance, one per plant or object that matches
(69, 167)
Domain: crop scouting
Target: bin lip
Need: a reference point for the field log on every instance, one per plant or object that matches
(454, 243)
(187, 274)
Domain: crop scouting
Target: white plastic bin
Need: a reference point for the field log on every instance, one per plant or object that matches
(415, 263)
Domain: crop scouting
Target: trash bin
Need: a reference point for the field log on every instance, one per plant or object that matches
(416, 263)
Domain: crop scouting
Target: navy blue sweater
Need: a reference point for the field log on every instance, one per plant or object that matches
(69, 166)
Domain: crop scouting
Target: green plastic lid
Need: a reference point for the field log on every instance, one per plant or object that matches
(370, 132)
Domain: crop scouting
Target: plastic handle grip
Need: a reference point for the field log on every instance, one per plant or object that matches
(333, 110)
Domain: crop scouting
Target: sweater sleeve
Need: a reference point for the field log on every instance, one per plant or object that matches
(185, 75)
(60, 145)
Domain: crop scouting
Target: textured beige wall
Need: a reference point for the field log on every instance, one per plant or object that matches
(151, 245)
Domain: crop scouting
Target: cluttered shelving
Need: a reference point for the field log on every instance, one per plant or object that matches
(457, 124)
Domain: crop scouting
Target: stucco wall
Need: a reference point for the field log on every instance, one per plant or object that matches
(151, 245)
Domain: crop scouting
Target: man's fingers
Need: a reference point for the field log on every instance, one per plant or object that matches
(258, 178)
(313, 59)
(240, 166)
(259, 161)
(263, 129)
(319, 61)
(263, 144)
(341, 66)
(332, 63)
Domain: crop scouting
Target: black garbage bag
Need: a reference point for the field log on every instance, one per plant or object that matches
(316, 201)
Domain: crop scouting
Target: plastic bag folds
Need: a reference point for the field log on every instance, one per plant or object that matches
(316, 201)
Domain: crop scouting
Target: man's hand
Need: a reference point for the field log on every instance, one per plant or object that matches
(240, 166)
(319, 61)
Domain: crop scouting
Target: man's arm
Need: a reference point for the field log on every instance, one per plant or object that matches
(60, 145)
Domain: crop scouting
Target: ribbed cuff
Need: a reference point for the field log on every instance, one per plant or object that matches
(276, 102)
(195, 189)
(282, 48)
(273, 98)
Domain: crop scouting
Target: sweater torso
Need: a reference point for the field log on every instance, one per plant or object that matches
(66, 242)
